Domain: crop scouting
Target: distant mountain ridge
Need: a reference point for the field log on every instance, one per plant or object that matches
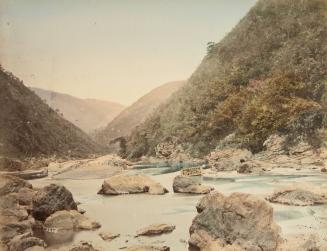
(30, 128)
(267, 76)
(136, 113)
(87, 114)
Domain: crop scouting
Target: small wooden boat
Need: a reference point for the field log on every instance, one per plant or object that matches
(28, 174)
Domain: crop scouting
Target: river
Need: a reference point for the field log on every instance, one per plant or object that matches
(127, 213)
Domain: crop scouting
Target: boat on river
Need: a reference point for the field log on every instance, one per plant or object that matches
(28, 174)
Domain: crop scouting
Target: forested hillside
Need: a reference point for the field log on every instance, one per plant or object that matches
(268, 75)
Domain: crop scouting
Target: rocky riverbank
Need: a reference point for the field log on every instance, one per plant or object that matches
(276, 155)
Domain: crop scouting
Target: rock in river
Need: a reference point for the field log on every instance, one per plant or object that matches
(298, 197)
(131, 184)
(50, 199)
(156, 229)
(106, 236)
(69, 220)
(237, 222)
(184, 184)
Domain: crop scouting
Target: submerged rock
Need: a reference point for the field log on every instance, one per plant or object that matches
(131, 184)
(50, 199)
(239, 221)
(147, 248)
(297, 197)
(156, 229)
(184, 184)
(12, 184)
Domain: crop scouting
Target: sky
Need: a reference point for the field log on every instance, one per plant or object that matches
(116, 50)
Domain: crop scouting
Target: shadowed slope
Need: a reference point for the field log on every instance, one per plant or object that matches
(29, 127)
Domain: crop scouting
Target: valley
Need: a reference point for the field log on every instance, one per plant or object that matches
(233, 158)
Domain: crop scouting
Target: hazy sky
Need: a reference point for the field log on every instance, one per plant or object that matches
(116, 50)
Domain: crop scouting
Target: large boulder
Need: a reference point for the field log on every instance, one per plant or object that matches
(131, 184)
(185, 184)
(70, 220)
(156, 229)
(298, 197)
(239, 221)
(60, 220)
(12, 184)
(50, 199)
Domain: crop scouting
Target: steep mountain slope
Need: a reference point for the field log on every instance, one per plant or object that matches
(29, 127)
(267, 75)
(87, 114)
(135, 114)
